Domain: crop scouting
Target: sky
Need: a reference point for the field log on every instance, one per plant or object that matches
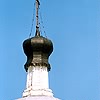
(74, 28)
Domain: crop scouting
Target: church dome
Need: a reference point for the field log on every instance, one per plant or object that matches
(37, 50)
(37, 44)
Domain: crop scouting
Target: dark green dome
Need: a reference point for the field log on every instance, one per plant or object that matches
(37, 50)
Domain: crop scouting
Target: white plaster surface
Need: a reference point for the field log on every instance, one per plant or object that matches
(37, 82)
(37, 77)
(39, 98)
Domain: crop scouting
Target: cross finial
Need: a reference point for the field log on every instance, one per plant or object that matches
(37, 18)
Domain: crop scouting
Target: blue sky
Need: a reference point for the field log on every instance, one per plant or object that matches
(74, 28)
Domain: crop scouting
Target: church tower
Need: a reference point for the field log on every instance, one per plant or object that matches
(37, 49)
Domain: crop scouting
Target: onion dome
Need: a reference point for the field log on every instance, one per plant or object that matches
(37, 50)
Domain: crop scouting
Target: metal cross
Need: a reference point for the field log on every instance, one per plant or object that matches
(37, 17)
